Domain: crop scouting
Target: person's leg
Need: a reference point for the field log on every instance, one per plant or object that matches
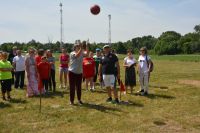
(131, 87)
(141, 79)
(78, 86)
(3, 90)
(53, 74)
(50, 81)
(72, 82)
(46, 81)
(146, 83)
(91, 83)
(61, 77)
(22, 76)
(86, 84)
(65, 77)
(17, 76)
(8, 85)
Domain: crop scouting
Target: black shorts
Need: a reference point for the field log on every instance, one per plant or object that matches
(6, 85)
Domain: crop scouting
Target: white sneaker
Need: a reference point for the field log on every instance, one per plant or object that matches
(60, 87)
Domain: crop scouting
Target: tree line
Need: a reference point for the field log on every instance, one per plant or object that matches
(168, 43)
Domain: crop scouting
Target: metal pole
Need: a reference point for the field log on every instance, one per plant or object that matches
(61, 26)
(109, 30)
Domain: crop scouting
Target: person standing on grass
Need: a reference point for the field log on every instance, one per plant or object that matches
(44, 69)
(130, 76)
(51, 60)
(97, 59)
(38, 57)
(64, 60)
(5, 76)
(144, 70)
(75, 71)
(89, 71)
(107, 68)
(19, 69)
(11, 55)
(32, 74)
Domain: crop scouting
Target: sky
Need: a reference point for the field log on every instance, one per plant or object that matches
(24, 20)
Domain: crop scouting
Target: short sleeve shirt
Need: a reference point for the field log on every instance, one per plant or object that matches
(108, 64)
(20, 63)
(143, 63)
(5, 75)
(76, 65)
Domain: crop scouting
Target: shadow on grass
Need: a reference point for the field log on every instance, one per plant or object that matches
(160, 87)
(4, 105)
(54, 94)
(131, 103)
(14, 100)
(154, 96)
(100, 91)
(101, 108)
(159, 123)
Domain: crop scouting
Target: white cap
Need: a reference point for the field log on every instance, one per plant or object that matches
(106, 46)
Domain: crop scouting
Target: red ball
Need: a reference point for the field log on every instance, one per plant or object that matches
(95, 9)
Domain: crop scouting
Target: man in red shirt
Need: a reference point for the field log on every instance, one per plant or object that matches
(44, 72)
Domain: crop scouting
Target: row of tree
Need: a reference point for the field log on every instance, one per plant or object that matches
(169, 42)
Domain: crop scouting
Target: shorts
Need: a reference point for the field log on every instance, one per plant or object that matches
(6, 85)
(109, 80)
(63, 69)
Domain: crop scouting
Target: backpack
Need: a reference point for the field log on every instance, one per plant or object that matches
(152, 65)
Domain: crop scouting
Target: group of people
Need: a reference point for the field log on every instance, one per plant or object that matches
(80, 65)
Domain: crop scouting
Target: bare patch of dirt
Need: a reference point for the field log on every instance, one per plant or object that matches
(195, 83)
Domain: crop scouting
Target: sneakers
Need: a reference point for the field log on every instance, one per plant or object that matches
(109, 99)
(60, 87)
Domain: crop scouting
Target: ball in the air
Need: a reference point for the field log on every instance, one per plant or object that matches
(95, 9)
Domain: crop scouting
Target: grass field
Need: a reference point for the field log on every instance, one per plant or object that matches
(173, 105)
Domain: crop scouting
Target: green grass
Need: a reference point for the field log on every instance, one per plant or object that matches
(170, 107)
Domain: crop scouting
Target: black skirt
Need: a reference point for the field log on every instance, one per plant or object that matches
(130, 77)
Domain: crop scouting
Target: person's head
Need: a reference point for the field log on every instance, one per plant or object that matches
(106, 49)
(14, 49)
(63, 51)
(77, 45)
(129, 53)
(31, 51)
(113, 51)
(44, 59)
(19, 52)
(143, 51)
(41, 52)
(49, 53)
(98, 52)
(91, 54)
(84, 45)
(4, 56)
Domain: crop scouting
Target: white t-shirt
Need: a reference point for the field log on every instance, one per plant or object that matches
(143, 63)
(129, 61)
(20, 63)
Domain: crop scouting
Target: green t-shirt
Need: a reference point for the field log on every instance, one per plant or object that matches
(5, 75)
